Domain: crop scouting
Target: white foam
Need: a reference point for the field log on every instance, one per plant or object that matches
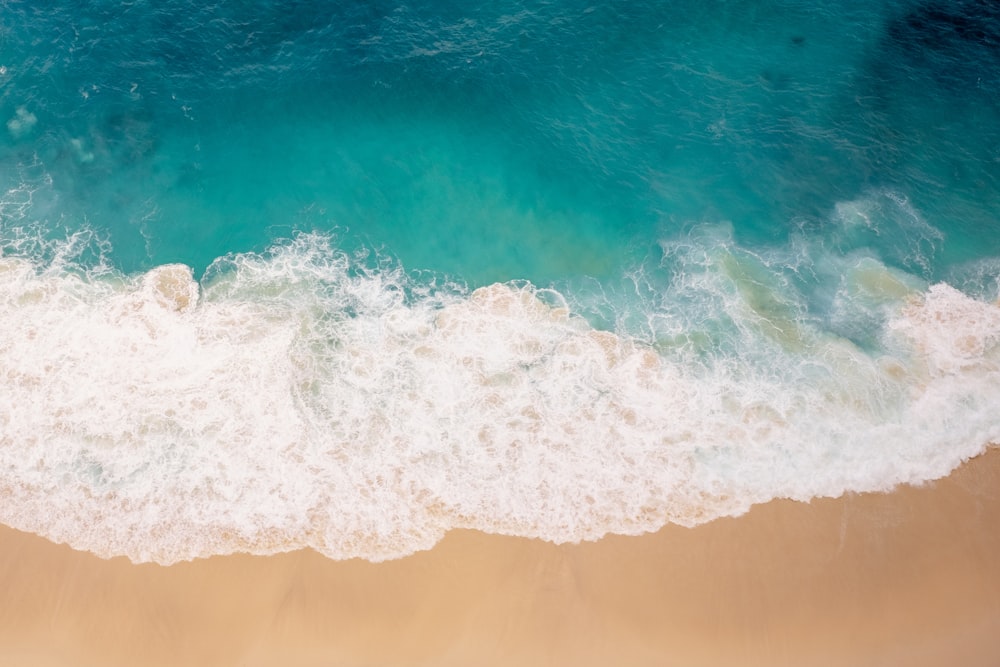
(952, 332)
(299, 399)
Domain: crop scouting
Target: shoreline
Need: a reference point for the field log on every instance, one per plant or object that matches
(910, 577)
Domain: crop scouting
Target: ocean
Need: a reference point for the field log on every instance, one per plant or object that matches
(349, 275)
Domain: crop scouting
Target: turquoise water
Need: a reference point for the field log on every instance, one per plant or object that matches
(491, 143)
(724, 252)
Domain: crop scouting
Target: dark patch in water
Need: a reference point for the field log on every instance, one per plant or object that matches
(949, 25)
(952, 44)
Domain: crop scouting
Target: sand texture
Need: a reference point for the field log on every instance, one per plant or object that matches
(906, 578)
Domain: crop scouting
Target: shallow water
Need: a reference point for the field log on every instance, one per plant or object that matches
(349, 277)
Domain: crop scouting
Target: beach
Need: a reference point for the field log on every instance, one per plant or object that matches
(473, 334)
(904, 578)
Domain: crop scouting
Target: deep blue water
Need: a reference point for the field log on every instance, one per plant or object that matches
(737, 186)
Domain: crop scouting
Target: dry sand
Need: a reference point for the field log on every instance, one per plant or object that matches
(908, 578)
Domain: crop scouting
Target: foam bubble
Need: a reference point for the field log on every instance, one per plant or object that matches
(305, 397)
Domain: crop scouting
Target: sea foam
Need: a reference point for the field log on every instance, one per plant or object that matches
(305, 397)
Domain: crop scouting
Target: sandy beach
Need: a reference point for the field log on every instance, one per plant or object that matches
(906, 578)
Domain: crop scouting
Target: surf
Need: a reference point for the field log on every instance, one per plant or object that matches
(301, 397)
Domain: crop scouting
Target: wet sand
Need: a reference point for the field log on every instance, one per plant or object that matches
(906, 578)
